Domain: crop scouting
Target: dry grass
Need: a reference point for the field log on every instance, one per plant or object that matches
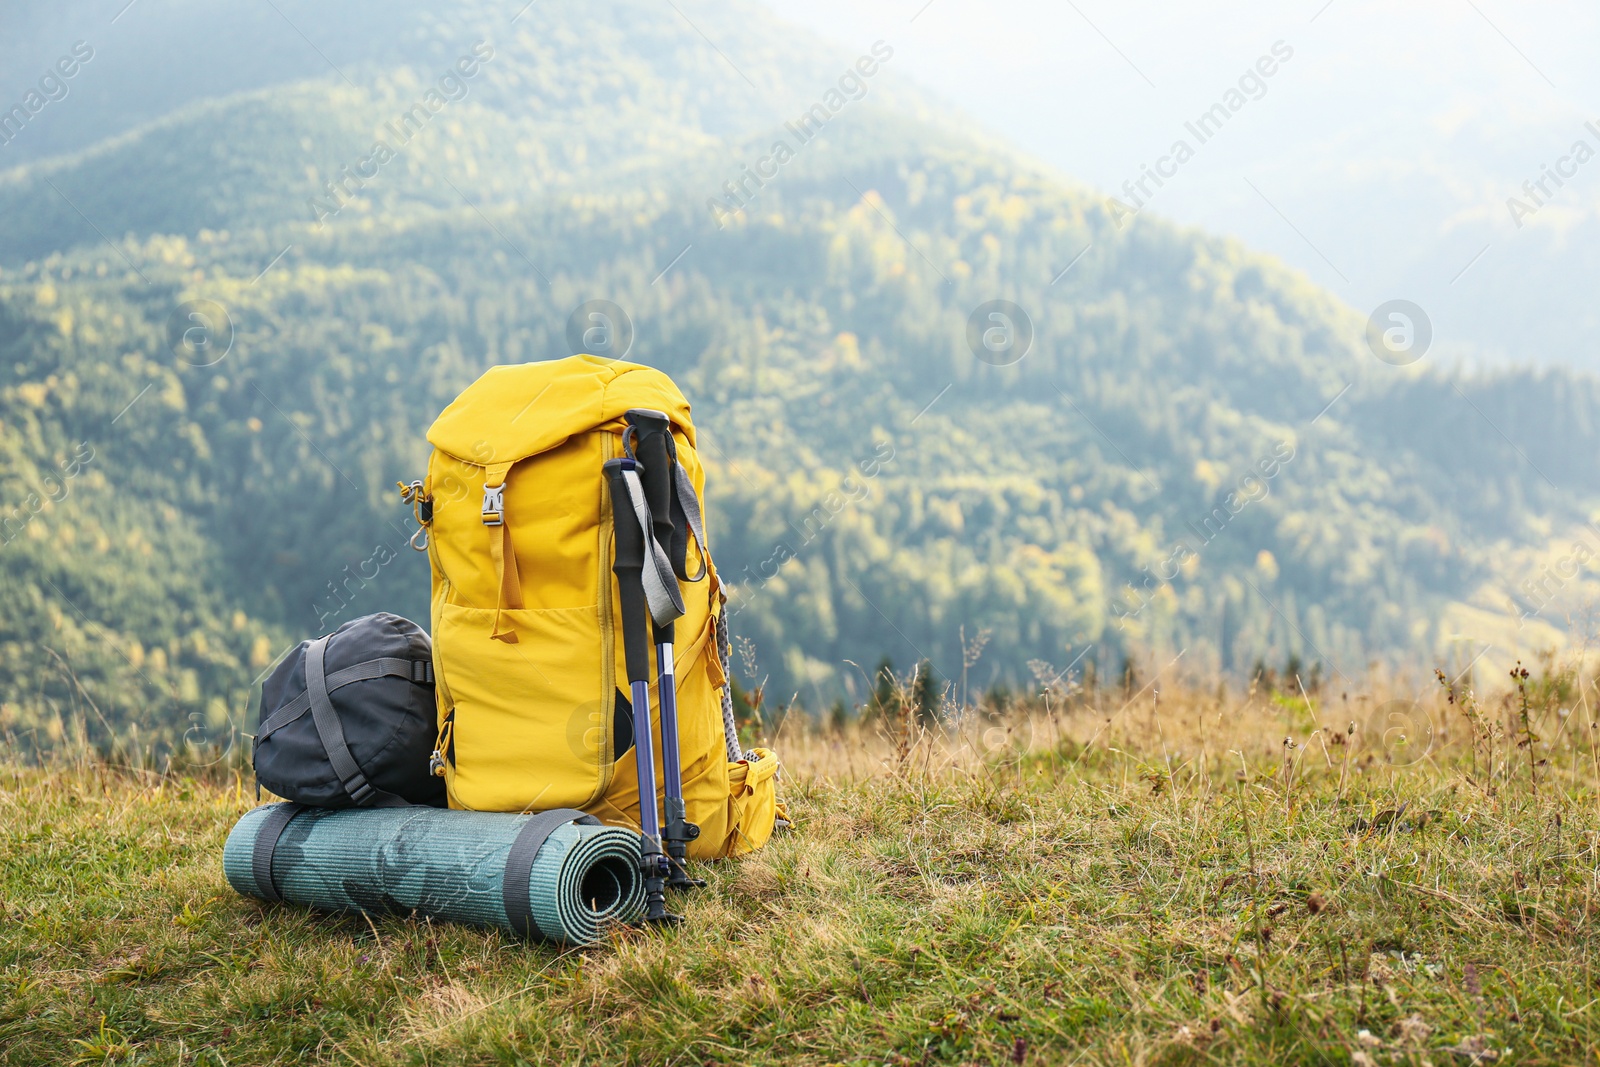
(1146, 876)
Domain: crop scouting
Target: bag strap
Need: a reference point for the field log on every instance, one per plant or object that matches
(519, 863)
(272, 828)
(685, 500)
(680, 505)
(502, 551)
(418, 671)
(331, 732)
(661, 590)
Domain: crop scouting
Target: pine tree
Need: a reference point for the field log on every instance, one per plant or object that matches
(885, 694)
(838, 716)
(926, 693)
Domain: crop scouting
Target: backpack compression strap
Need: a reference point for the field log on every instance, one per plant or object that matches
(519, 863)
(501, 550)
(418, 671)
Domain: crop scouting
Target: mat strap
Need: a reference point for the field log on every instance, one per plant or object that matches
(519, 862)
(272, 828)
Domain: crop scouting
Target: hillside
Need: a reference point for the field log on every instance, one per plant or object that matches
(877, 489)
(1094, 891)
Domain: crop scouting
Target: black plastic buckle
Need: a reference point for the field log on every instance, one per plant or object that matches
(362, 791)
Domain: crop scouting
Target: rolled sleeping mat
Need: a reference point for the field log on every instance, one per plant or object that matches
(558, 875)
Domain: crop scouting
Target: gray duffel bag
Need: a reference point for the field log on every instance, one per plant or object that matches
(348, 720)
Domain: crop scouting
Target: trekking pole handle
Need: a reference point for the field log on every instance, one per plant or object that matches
(651, 434)
(640, 422)
(628, 566)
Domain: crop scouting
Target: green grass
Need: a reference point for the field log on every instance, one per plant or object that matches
(1067, 906)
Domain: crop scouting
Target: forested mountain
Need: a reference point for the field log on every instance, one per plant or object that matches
(1196, 453)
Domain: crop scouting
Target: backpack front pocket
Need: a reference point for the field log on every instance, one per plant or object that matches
(532, 718)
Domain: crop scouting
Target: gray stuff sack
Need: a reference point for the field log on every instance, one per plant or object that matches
(348, 720)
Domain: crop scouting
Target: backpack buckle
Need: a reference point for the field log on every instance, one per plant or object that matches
(494, 503)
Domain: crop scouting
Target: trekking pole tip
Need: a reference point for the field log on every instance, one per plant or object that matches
(665, 918)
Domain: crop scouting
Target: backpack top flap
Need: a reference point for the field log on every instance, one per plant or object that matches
(516, 411)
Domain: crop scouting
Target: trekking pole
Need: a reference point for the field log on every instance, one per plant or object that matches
(651, 438)
(629, 569)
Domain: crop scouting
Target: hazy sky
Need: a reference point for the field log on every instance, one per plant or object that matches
(1378, 159)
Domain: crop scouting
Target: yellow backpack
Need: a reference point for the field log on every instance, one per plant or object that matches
(528, 644)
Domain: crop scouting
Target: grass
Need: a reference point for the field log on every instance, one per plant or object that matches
(1128, 879)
